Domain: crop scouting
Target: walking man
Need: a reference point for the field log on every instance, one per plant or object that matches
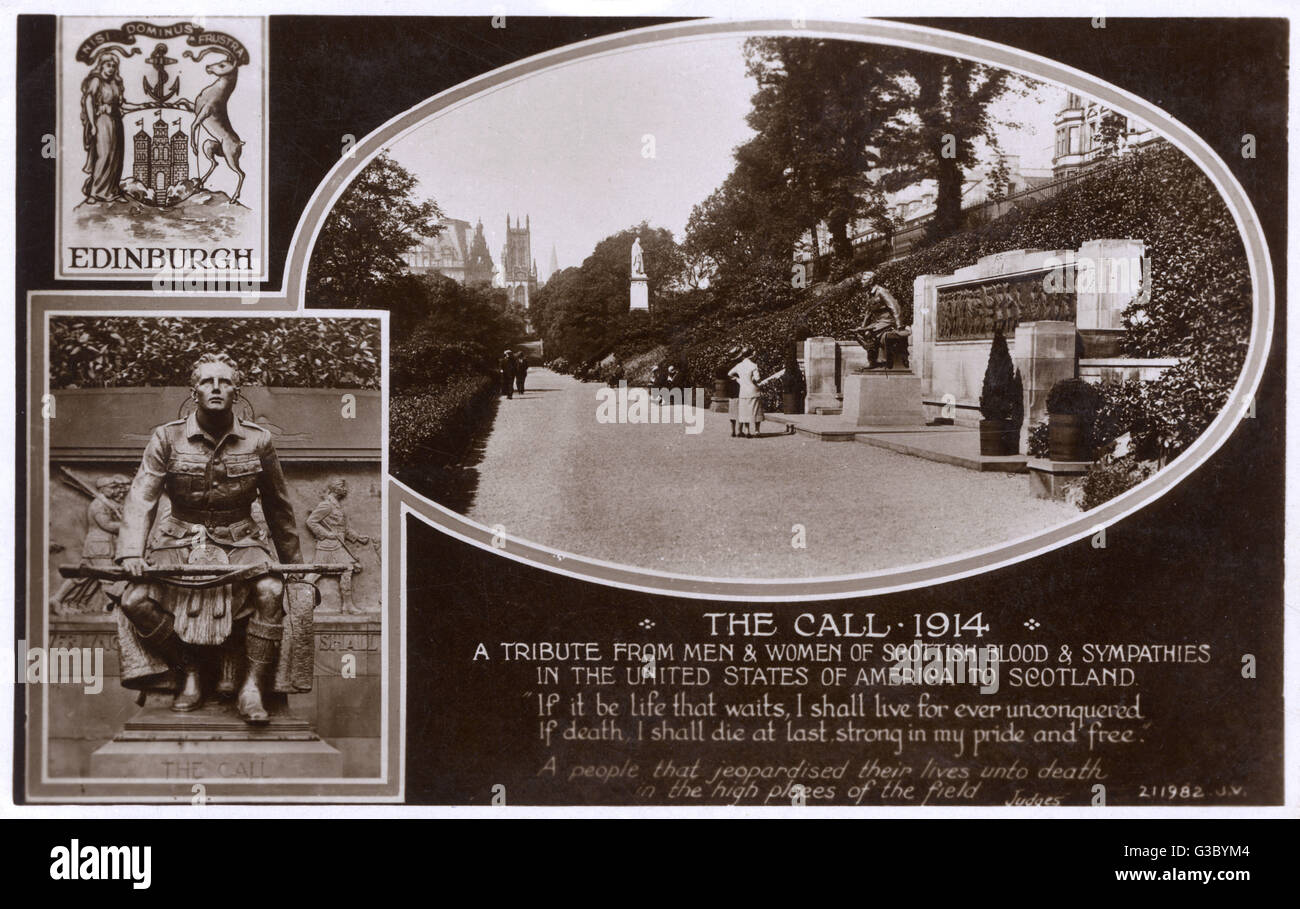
(507, 367)
(521, 371)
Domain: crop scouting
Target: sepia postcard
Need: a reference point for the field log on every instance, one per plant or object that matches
(730, 413)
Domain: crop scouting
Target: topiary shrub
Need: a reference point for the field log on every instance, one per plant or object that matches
(1002, 395)
(793, 382)
(1074, 397)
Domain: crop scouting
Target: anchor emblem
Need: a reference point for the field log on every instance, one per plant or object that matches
(159, 91)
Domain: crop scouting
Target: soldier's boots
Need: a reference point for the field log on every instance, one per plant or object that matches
(260, 645)
(190, 696)
(164, 641)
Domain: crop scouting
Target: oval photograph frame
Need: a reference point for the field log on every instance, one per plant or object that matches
(914, 37)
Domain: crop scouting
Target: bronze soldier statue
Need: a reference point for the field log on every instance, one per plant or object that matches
(882, 319)
(213, 467)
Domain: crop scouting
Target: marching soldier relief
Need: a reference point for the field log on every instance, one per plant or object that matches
(103, 520)
(343, 511)
(328, 523)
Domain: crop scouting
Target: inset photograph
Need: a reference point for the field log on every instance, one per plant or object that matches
(890, 310)
(214, 564)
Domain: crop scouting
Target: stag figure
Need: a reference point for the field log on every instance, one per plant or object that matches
(210, 113)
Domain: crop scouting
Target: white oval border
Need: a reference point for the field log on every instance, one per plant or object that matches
(838, 586)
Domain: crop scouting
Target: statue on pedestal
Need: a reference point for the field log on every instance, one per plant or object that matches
(213, 467)
(882, 326)
(639, 289)
(638, 260)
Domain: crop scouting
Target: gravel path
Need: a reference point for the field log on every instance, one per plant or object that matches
(654, 496)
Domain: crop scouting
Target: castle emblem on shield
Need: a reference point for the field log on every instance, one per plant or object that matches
(164, 124)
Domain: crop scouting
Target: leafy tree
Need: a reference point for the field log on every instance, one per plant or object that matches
(360, 246)
(946, 113)
(823, 111)
(749, 219)
(475, 313)
(582, 313)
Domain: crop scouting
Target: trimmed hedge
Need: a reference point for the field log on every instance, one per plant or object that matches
(420, 363)
(432, 428)
(117, 351)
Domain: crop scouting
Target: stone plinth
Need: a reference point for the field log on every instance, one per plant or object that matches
(1109, 274)
(232, 762)
(883, 398)
(215, 744)
(343, 709)
(1044, 353)
(957, 377)
(821, 360)
(640, 295)
(1048, 479)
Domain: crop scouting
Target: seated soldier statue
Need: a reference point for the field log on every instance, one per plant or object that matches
(882, 329)
(213, 468)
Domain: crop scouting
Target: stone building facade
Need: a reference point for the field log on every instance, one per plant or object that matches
(457, 252)
(518, 267)
(1087, 133)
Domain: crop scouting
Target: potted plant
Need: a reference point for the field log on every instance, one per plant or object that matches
(792, 386)
(1071, 411)
(1002, 403)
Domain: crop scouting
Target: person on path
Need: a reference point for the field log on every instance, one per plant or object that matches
(506, 365)
(658, 379)
(521, 371)
(733, 389)
(750, 402)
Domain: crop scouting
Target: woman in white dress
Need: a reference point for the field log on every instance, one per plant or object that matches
(750, 404)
